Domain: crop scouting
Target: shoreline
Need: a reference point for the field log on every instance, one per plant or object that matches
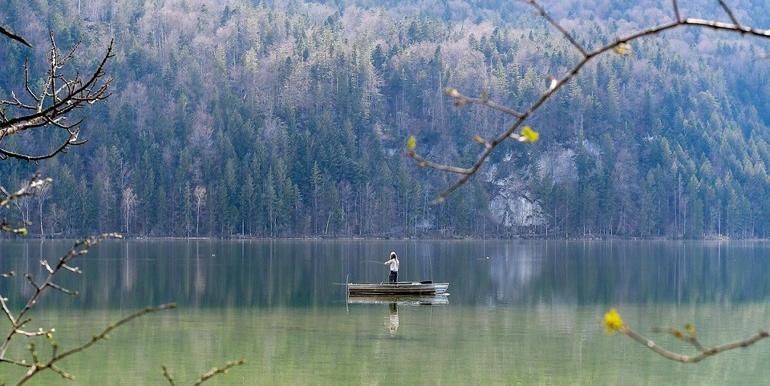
(349, 238)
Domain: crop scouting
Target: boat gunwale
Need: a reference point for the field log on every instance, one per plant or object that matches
(397, 285)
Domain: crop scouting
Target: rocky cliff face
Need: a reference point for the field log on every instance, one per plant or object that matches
(513, 203)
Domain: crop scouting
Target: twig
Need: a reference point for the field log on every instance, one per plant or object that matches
(40, 332)
(729, 13)
(461, 100)
(62, 373)
(45, 265)
(214, 371)
(422, 162)
(7, 311)
(62, 289)
(677, 15)
(205, 376)
(561, 29)
(704, 353)
(14, 36)
(167, 375)
(35, 183)
(13, 362)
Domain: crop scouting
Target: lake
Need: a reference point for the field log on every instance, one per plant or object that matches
(520, 312)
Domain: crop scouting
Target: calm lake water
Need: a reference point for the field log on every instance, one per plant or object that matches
(520, 312)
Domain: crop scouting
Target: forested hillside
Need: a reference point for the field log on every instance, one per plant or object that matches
(290, 119)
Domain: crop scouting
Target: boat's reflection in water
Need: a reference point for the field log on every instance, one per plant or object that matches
(405, 300)
(393, 301)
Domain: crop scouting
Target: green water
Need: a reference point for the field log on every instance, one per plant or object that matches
(518, 313)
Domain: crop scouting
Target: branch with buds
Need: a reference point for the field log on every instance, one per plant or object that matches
(205, 376)
(19, 320)
(517, 130)
(614, 323)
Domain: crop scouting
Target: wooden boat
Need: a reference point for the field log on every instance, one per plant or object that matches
(400, 288)
(407, 300)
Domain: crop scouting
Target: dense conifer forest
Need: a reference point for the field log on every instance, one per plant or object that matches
(289, 119)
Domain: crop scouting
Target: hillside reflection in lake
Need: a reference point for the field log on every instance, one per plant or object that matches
(519, 311)
(302, 273)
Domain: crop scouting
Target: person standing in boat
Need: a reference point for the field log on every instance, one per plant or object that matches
(393, 262)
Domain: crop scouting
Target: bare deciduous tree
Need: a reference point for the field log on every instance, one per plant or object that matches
(129, 202)
(200, 197)
(52, 106)
(31, 187)
(41, 196)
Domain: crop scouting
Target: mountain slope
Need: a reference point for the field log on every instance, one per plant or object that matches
(294, 117)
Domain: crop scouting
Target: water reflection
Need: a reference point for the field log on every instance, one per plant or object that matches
(546, 344)
(410, 300)
(300, 273)
(528, 314)
(392, 323)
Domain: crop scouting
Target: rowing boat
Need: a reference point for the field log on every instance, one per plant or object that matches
(400, 288)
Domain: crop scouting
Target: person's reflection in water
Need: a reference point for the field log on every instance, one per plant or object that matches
(393, 319)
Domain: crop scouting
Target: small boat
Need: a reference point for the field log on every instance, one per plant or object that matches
(406, 300)
(400, 288)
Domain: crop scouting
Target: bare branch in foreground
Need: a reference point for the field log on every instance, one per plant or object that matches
(619, 45)
(614, 323)
(31, 187)
(18, 321)
(541, 11)
(462, 100)
(205, 376)
(677, 14)
(214, 371)
(705, 353)
(690, 337)
(38, 366)
(50, 108)
(167, 376)
(729, 12)
(14, 36)
(422, 162)
(34, 185)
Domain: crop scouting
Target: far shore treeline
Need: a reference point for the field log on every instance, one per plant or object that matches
(235, 118)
